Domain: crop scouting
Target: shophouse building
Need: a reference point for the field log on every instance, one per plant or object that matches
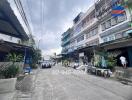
(85, 32)
(97, 27)
(114, 31)
(66, 41)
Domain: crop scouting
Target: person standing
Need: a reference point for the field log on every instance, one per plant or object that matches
(123, 61)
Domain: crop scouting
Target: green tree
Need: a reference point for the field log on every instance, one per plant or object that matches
(36, 56)
(13, 69)
(14, 57)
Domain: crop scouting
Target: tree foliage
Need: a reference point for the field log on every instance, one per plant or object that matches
(14, 57)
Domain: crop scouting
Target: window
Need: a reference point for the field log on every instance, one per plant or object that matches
(84, 23)
(119, 35)
(105, 39)
(114, 21)
(96, 30)
(111, 37)
(103, 26)
(108, 24)
(121, 18)
(78, 28)
(88, 35)
(81, 38)
(92, 33)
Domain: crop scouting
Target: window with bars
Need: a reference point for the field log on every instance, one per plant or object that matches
(114, 21)
(105, 39)
(103, 26)
(81, 38)
(119, 35)
(92, 33)
(111, 37)
(108, 24)
(121, 18)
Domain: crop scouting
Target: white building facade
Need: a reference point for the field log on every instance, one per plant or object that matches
(110, 27)
(97, 26)
(85, 30)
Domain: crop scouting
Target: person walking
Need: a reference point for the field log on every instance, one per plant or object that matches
(123, 61)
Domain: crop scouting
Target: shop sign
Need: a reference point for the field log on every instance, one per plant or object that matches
(81, 54)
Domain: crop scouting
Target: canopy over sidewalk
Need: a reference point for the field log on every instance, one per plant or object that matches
(9, 24)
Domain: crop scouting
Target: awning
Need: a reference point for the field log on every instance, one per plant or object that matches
(88, 48)
(119, 43)
(9, 46)
(9, 24)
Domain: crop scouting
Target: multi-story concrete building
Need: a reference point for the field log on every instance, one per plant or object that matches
(114, 30)
(98, 27)
(111, 28)
(85, 31)
(66, 36)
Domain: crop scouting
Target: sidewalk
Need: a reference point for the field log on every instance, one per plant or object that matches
(7, 96)
(25, 87)
(124, 75)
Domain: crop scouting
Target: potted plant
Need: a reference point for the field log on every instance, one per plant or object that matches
(9, 73)
(111, 63)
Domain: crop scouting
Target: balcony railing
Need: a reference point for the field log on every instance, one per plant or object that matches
(65, 42)
(86, 26)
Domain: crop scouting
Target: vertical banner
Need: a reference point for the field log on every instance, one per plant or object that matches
(27, 58)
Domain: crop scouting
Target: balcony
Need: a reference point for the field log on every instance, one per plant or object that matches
(86, 26)
(65, 35)
(116, 28)
(65, 42)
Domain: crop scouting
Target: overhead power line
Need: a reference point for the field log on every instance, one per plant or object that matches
(22, 13)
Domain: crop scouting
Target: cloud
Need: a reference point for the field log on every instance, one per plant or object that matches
(51, 51)
(57, 18)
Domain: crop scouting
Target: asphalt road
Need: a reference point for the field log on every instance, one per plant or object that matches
(59, 83)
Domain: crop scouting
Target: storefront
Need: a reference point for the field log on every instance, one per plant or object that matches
(87, 53)
(122, 47)
(9, 47)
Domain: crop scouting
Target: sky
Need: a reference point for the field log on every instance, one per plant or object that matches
(50, 18)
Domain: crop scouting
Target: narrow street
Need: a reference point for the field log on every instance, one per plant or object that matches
(59, 86)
